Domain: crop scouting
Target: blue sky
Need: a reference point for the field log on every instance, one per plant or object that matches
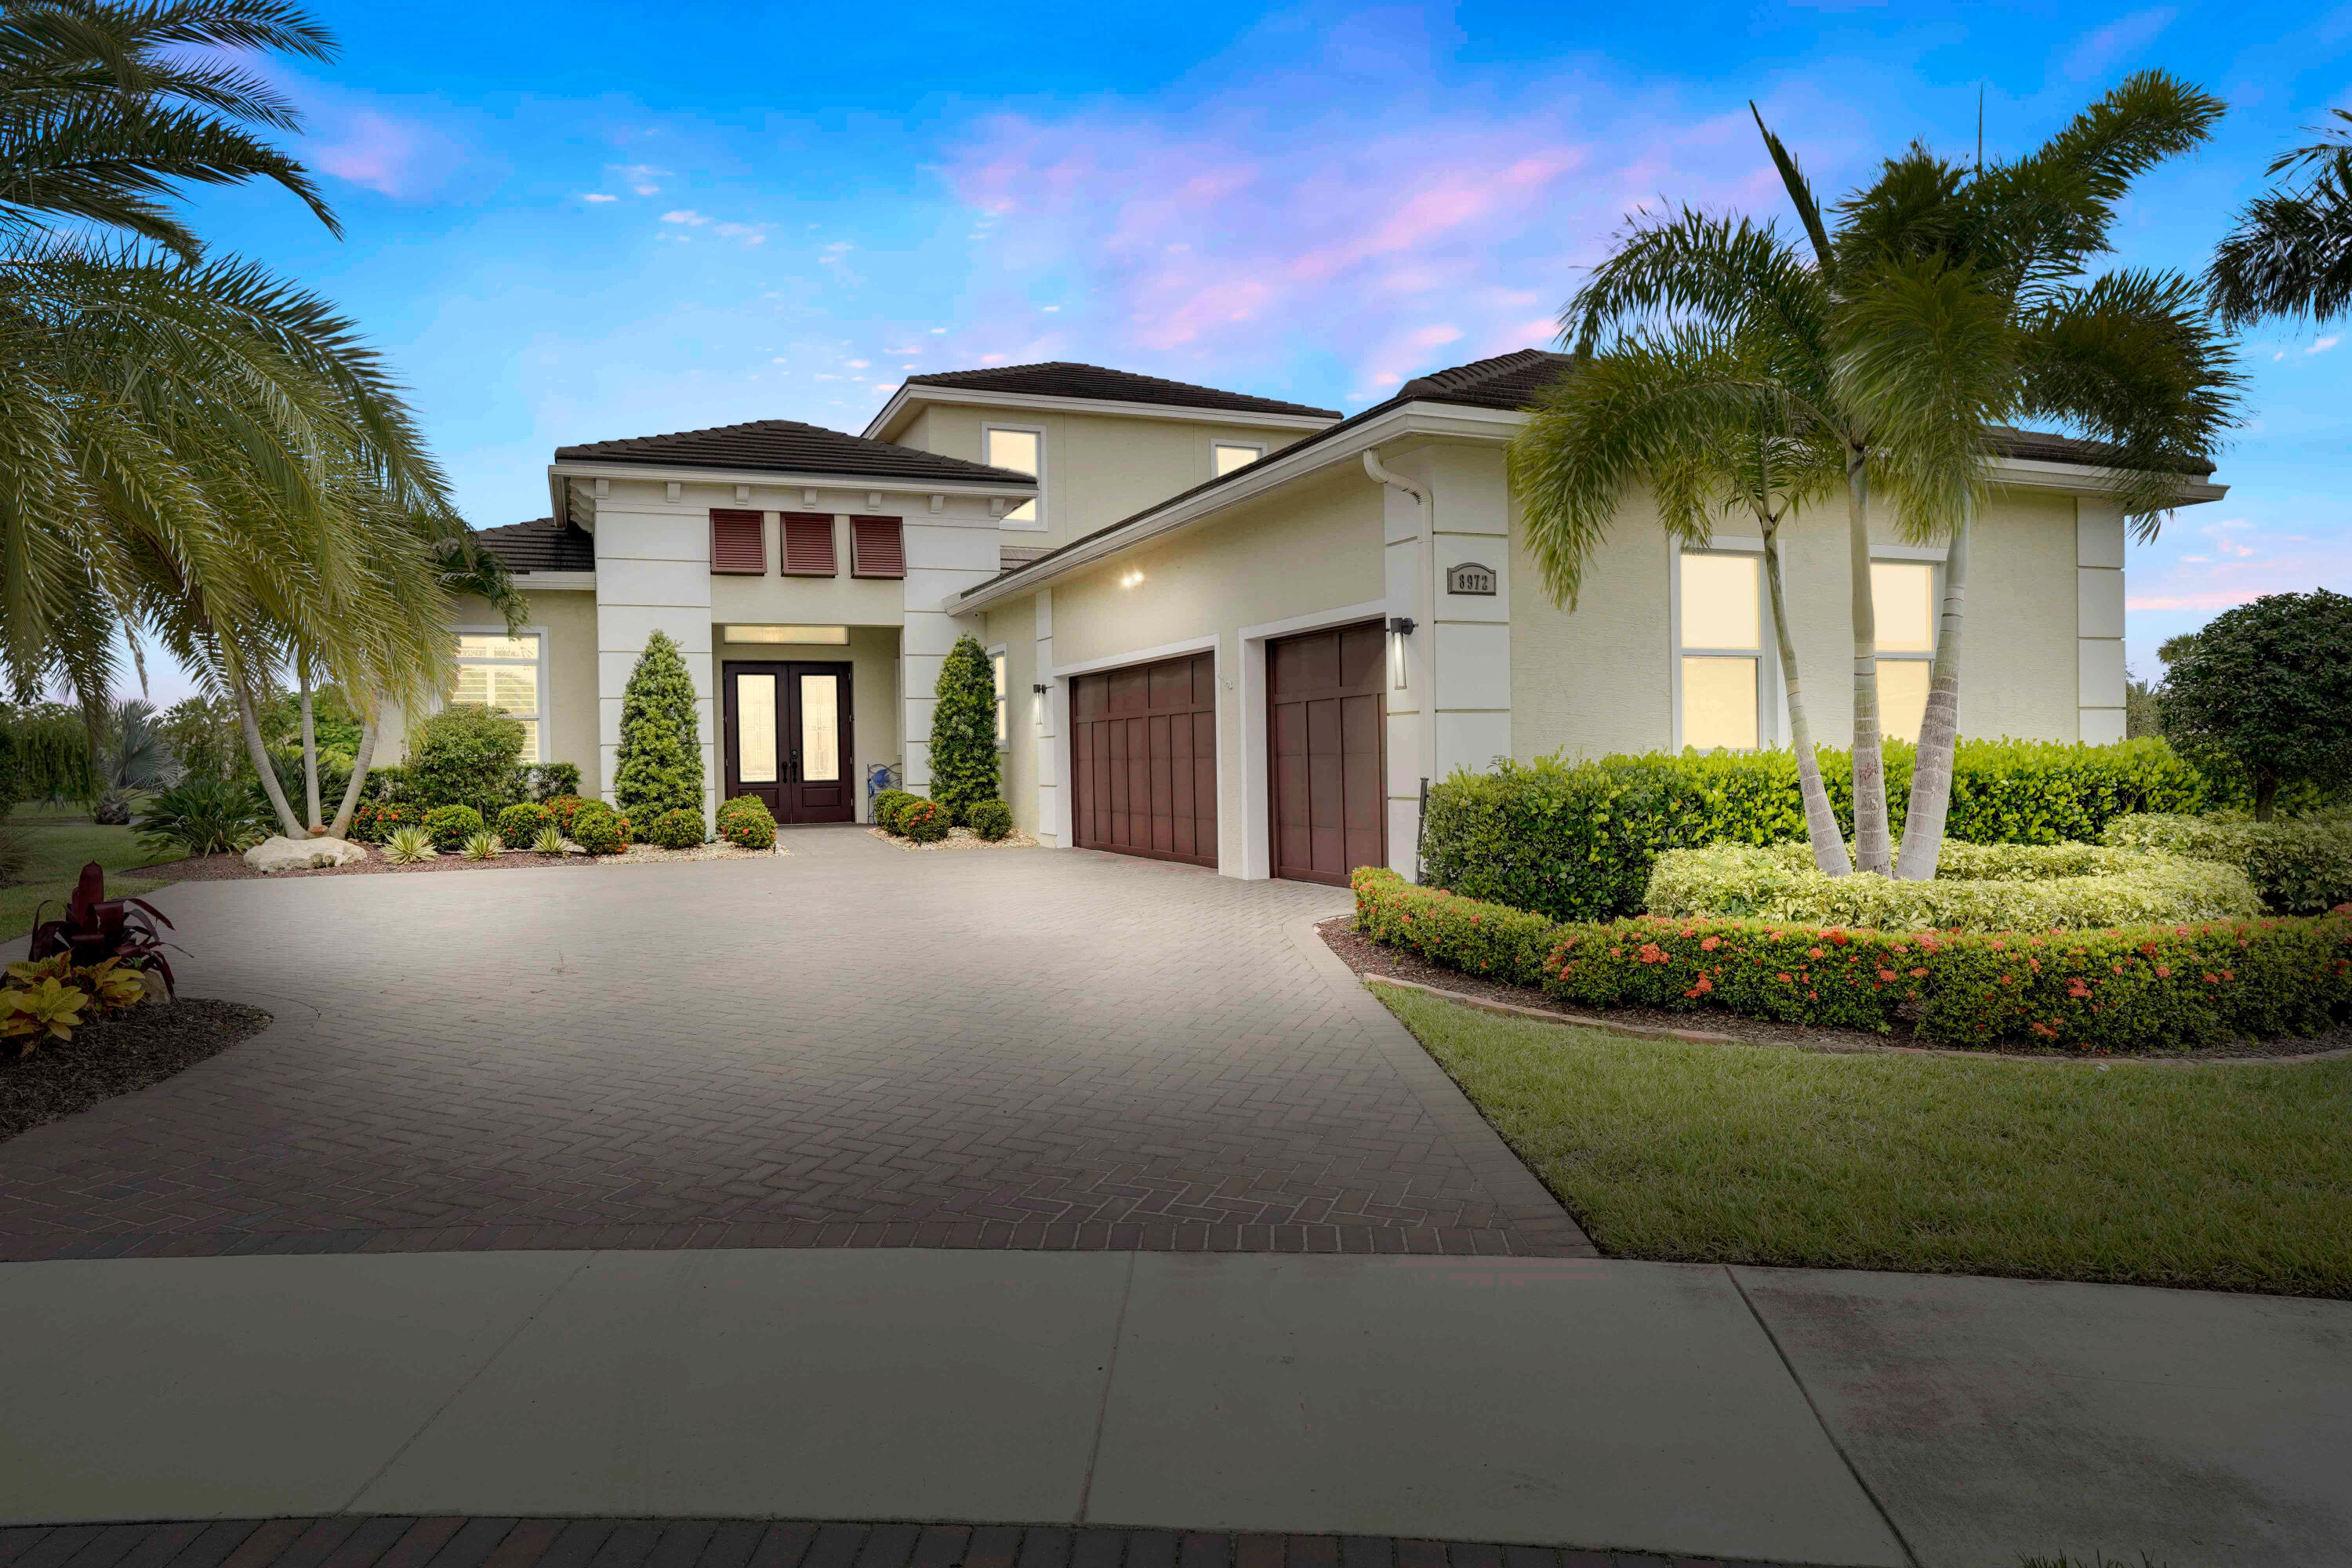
(578, 221)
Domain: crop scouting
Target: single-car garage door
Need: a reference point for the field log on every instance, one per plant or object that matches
(1143, 760)
(1329, 752)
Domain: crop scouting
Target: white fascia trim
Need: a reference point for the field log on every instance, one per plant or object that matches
(1134, 655)
(906, 398)
(784, 480)
(1345, 616)
(530, 581)
(2075, 478)
(1447, 421)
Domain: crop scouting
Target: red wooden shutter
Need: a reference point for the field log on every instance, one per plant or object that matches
(738, 542)
(808, 544)
(877, 547)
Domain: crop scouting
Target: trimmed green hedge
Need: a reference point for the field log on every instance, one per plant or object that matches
(1576, 840)
(886, 807)
(1978, 887)
(450, 826)
(599, 829)
(992, 819)
(680, 829)
(2160, 986)
(2299, 865)
(746, 823)
(924, 821)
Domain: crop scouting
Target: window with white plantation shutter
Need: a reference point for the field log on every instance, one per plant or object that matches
(738, 542)
(808, 544)
(877, 547)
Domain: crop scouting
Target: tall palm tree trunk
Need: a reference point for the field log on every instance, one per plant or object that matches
(261, 755)
(370, 727)
(1872, 851)
(1821, 817)
(1940, 731)
(310, 746)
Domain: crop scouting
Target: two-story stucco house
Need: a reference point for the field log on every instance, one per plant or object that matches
(1230, 630)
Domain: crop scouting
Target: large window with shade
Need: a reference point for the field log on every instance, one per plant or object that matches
(1902, 597)
(509, 670)
(1719, 673)
(1023, 450)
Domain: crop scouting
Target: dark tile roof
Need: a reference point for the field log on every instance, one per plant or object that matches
(785, 446)
(541, 545)
(1513, 380)
(1064, 378)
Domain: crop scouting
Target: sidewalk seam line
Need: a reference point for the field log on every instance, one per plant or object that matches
(1110, 1371)
(1901, 1540)
(471, 1378)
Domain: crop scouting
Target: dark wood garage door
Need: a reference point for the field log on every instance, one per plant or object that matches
(1143, 760)
(1329, 746)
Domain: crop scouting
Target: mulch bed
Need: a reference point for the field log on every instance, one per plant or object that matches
(957, 838)
(1365, 956)
(117, 1054)
(233, 869)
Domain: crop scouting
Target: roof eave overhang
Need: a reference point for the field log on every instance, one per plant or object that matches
(531, 582)
(561, 472)
(2083, 479)
(1434, 421)
(904, 403)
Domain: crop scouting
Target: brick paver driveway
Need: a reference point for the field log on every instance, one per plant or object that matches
(853, 1045)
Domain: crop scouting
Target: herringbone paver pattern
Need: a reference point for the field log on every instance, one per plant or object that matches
(354, 1542)
(851, 1046)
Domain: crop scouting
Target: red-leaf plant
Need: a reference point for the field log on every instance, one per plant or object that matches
(97, 928)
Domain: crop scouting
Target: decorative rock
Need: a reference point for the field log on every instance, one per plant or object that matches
(277, 854)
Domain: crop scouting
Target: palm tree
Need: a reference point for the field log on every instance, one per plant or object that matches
(1702, 424)
(190, 450)
(1946, 303)
(2291, 254)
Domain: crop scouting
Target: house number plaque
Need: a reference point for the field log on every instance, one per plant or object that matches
(1469, 577)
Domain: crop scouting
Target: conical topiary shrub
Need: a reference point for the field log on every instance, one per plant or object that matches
(963, 730)
(661, 743)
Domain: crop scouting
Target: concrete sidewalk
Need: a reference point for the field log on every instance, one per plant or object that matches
(1790, 1416)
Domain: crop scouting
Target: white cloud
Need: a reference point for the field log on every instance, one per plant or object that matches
(749, 233)
(1050, 309)
(598, 197)
(937, 332)
(2323, 346)
(683, 215)
(859, 364)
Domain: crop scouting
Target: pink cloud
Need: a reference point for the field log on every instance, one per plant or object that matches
(1220, 244)
(373, 150)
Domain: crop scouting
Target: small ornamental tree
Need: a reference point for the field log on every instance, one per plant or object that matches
(963, 731)
(2264, 690)
(660, 767)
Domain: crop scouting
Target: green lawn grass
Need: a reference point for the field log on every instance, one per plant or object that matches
(61, 848)
(2225, 1176)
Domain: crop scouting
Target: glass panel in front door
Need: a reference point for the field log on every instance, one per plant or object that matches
(755, 729)
(820, 729)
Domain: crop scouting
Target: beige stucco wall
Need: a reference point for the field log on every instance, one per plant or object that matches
(1098, 468)
(873, 657)
(568, 618)
(1014, 628)
(1599, 679)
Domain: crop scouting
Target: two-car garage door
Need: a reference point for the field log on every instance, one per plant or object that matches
(1143, 756)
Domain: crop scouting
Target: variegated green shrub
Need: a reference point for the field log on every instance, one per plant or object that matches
(1990, 888)
(2299, 865)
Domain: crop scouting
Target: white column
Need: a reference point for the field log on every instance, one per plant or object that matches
(1411, 744)
(653, 573)
(2099, 621)
(1049, 711)
(943, 559)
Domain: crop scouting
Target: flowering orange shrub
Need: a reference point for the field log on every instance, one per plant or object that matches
(2150, 987)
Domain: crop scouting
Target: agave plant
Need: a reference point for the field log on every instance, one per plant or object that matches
(550, 841)
(483, 846)
(96, 928)
(409, 845)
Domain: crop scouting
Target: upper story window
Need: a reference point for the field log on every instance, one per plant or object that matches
(1902, 596)
(503, 670)
(1231, 454)
(1023, 450)
(1721, 651)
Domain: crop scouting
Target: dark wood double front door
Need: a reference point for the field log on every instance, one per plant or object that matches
(788, 738)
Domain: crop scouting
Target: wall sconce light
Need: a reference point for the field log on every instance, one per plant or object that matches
(1040, 688)
(1399, 628)
(1130, 579)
